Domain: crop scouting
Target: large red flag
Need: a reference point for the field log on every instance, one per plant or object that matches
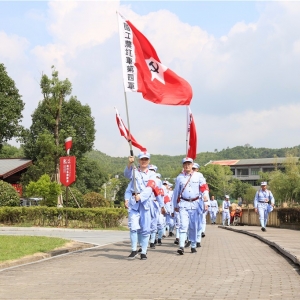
(124, 132)
(143, 72)
(192, 150)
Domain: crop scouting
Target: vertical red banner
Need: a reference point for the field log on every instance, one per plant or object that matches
(67, 170)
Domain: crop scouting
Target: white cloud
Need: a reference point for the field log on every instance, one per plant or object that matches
(246, 84)
(12, 47)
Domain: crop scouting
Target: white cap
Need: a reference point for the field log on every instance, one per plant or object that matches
(227, 196)
(263, 183)
(187, 159)
(144, 154)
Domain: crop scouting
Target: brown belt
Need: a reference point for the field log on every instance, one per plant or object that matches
(190, 200)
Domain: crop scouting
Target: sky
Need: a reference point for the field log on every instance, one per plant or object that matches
(242, 59)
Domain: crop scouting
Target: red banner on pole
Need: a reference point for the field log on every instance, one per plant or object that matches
(67, 170)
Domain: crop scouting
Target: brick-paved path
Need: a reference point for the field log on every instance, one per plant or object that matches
(227, 266)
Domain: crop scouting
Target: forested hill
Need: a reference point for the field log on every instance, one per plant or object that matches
(170, 165)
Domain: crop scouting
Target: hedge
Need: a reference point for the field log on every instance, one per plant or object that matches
(289, 215)
(63, 217)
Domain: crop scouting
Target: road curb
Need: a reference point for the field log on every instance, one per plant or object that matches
(266, 241)
(68, 248)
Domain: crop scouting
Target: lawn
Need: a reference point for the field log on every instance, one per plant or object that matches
(14, 247)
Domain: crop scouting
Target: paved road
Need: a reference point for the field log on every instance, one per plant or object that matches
(96, 237)
(229, 265)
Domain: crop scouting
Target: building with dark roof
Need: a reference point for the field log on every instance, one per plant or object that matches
(247, 170)
(11, 170)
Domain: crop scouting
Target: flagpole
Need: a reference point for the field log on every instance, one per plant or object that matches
(187, 131)
(130, 142)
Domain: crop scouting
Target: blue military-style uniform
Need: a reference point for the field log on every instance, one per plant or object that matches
(225, 207)
(213, 210)
(186, 198)
(262, 202)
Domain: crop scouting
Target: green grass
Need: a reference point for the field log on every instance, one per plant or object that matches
(14, 247)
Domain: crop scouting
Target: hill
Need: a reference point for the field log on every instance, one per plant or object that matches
(169, 166)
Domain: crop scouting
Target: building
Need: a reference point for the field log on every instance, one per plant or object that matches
(247, 170)
(11, 170)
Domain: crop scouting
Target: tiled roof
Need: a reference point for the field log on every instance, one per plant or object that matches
(10, 166)
(252, 161)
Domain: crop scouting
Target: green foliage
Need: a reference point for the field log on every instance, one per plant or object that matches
(249, 195)
(219, 179)
(93, 199)
(11, 107)
(44, 188)
(90, 175)
(289, 215)
(8, 195)
(8, 151)
(73, 192)
(58, 217)
(56, 118)
(170, 166)
(123, 183)
(285, 184)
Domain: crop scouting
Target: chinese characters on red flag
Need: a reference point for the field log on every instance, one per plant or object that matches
(67, 170)
(143, 71)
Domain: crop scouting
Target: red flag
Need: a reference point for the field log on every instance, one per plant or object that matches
(192, 150)
(68, 144)
(124, 132)
(143, 72)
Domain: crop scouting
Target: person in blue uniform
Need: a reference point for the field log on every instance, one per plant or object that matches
(142, 187)
(263, 204)
(213, 209)
(225, 208)
(190, 186)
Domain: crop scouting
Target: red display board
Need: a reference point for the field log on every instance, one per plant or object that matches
(67, 170)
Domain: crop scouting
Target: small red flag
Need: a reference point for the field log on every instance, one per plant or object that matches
(68, 144)
(143, 71)
(124, 132)
(192, 133)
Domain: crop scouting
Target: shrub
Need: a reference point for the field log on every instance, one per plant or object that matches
(8, 195)
(95, 200)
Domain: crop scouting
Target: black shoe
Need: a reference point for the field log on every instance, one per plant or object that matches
(176, 242)
(152, 246)
(193, 250)
(170, 234)
(263, 229)
(187, 244)
(198, 245)
(155, 242)
(159, 242)
(214, 222)
(140, 250)
(180, 251)
(132, 255)
(203, 234)
(143, 256)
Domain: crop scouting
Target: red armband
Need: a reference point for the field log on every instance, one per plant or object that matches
(154, 187)
(204, 187)
(166, 199)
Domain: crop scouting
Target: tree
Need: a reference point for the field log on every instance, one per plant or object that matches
(89, 175)
(11, 108)
(8, 151)
(56, 118)
(45, 189)
(218, 179)
(8, 195)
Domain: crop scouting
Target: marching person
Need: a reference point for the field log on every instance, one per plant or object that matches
(190, 186)
(263, 204)
(213, 209)
(225, 207)
(142, 186)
